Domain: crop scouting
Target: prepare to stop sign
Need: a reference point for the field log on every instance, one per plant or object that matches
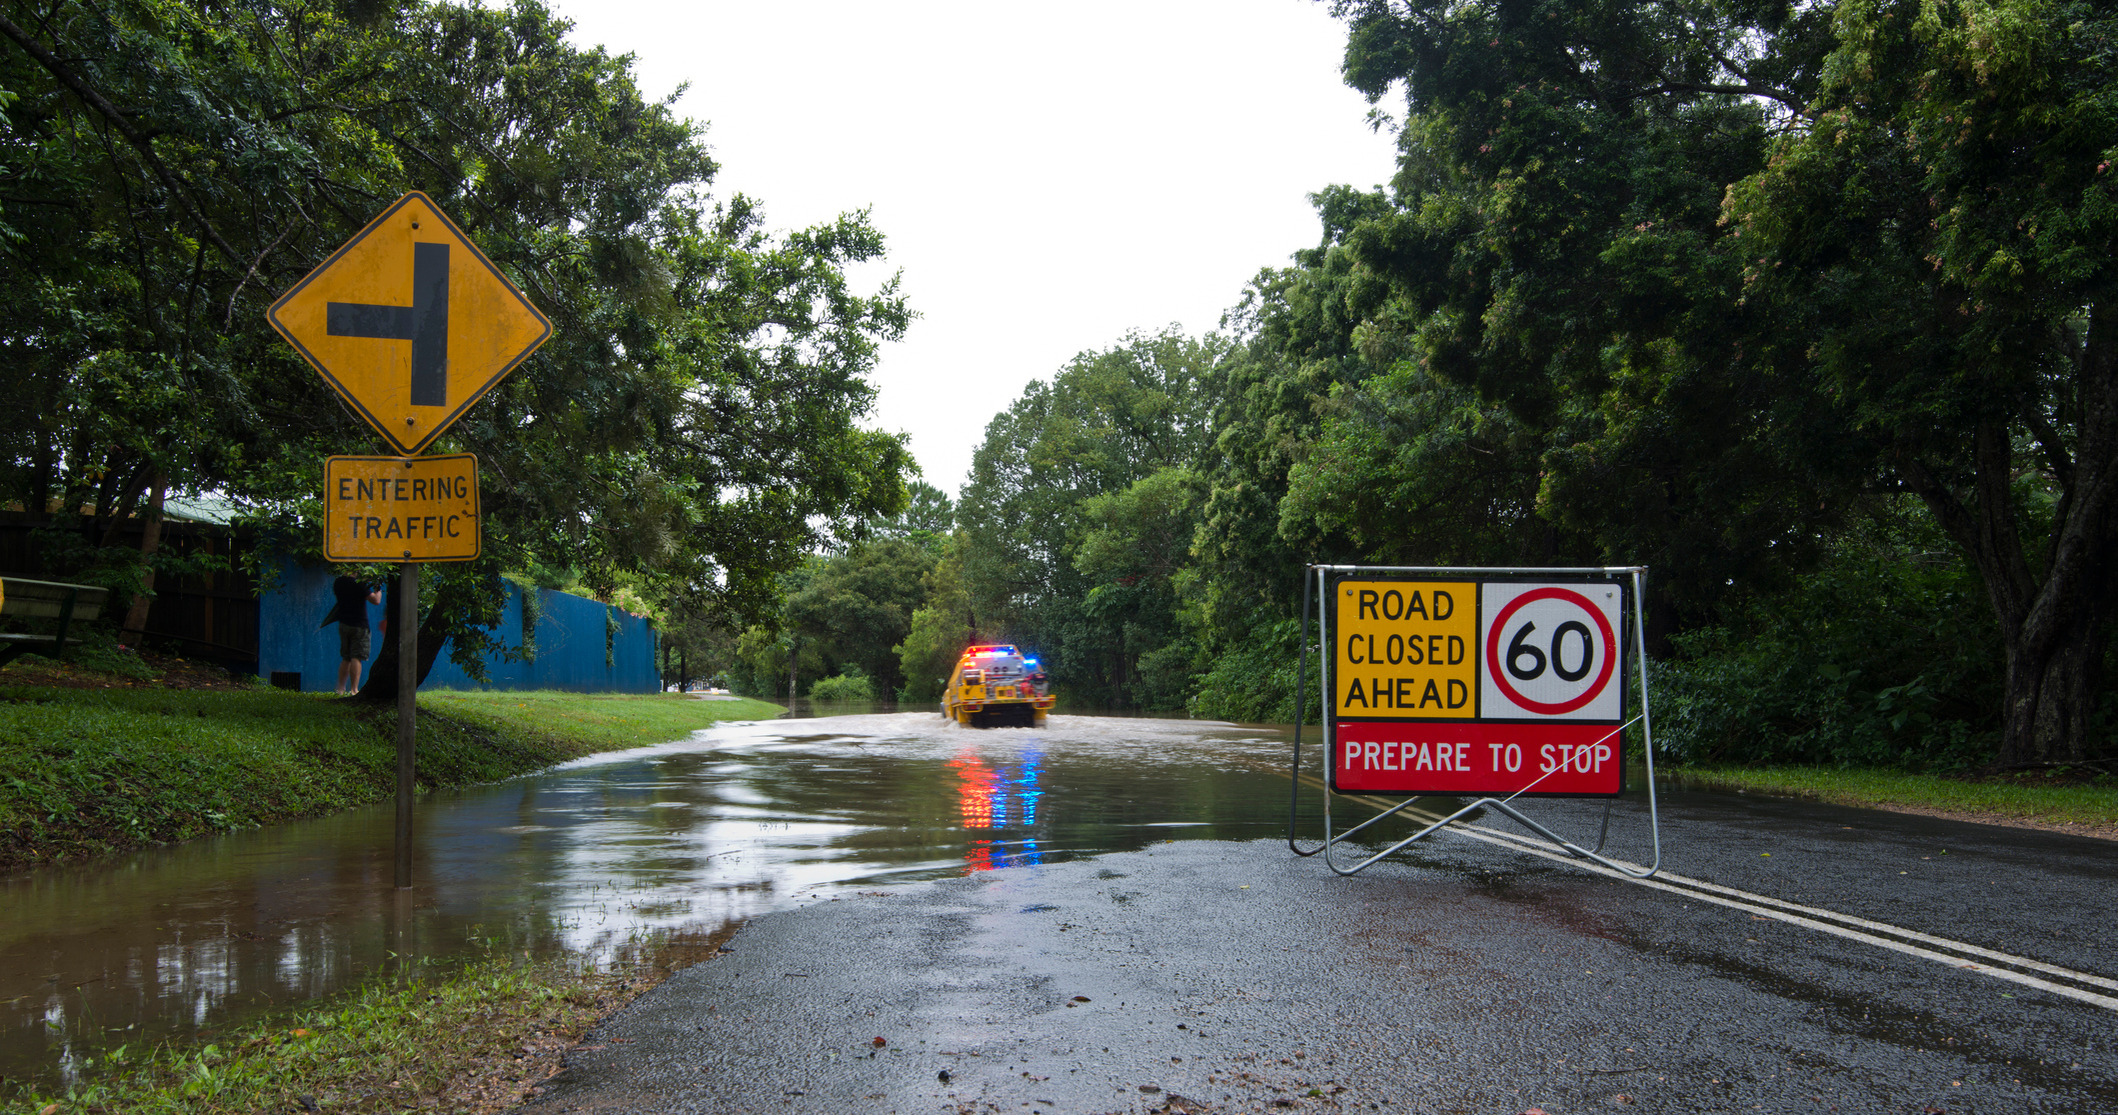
(1462, 687)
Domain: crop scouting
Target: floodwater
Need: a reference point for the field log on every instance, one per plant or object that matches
(595, 857)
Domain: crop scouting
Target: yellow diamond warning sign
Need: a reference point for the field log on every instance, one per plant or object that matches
(401, 508)
(410, 323)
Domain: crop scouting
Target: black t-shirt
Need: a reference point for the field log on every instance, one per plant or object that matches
(352, 601)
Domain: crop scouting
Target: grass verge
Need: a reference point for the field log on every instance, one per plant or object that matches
(477, 1039)
(2043, 800)
(85, 771)
(598, 721)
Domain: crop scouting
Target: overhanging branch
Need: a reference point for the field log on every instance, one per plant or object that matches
(133, 135)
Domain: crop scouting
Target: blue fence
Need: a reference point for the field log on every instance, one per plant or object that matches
(580, 645)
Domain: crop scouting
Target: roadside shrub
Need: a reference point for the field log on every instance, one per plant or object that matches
(849, 686)
(1888, 656)
(1253, 680)
(98, 651)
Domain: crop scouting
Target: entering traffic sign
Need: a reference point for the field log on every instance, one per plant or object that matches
(401, 508)
(410, 323)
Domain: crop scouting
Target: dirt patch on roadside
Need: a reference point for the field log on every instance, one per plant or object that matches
(534, 1055)
(170, 672)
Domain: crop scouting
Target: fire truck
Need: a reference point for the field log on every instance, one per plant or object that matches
(995, 686)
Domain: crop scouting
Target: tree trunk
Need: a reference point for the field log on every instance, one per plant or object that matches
(2052, 621)
(382, 681)
(2050, 700)
(150, 541)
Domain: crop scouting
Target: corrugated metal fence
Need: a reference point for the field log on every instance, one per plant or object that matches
(579, 644)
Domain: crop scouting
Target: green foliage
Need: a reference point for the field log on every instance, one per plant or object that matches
(927, 519)
(1253, 680)
(1886, 656)
(693, 425)
(1934, 252)
(1415, 471)
(941, 627)
(843, 687)
(1107, 421)
(1134, 543)
(90, 770)
(1554, 262)
(98, 652)
(856, 607)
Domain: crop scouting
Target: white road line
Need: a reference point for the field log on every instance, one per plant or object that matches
(1852, 920)
(1847, 926)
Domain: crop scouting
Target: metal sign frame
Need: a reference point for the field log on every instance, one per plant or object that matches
(1317, 583)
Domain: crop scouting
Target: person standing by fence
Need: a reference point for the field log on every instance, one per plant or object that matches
(354, 635)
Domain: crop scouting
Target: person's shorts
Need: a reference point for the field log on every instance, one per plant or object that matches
(353, 643)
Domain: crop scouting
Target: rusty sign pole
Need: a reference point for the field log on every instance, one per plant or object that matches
(407, 710)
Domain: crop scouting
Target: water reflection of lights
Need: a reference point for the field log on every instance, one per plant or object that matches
(987, 796)
(590, 859)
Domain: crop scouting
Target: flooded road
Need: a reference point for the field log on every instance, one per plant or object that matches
(595, 855)
(904, 876)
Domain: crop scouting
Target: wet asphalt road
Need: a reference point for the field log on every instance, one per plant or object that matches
(1462, 977)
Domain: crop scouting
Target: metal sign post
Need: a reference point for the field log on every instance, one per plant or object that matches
(1496, 682)
(407, 711)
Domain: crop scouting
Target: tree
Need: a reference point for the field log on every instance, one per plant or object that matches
(1555, 246)
(693, 421)
(942, 626)
(857, 607)
(1937, 245)
(1106, 420)
(928, 517)
(1751, 268)
(1136, 543)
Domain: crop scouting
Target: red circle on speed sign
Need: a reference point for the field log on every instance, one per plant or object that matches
(1496, 669)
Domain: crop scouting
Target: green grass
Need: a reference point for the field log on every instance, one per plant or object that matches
(2034, 797)
(89, 771)
(609, 721)
(474, 1039)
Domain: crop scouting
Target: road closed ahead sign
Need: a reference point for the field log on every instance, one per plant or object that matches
(1477, 687)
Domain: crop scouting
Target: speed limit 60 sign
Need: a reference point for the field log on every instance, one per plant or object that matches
(1477, 687)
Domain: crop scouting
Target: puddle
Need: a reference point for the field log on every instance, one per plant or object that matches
(679, 838)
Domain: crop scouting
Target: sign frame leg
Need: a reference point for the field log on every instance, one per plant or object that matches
(407, 711)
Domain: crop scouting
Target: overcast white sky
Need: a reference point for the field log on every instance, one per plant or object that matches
(1048, 176)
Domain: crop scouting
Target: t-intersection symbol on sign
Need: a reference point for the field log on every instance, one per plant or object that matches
(425, 323)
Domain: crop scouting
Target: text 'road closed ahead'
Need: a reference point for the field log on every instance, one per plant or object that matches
(401, 508)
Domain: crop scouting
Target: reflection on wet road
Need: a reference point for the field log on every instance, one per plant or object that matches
(736, 821)
(1795, 956)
